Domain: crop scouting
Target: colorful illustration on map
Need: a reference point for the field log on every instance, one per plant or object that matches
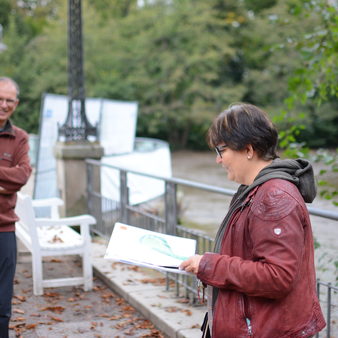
(160, 245)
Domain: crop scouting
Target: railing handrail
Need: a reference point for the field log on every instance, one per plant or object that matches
(330, 214)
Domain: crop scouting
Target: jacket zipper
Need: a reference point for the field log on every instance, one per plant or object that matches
(246, 204)
(248, 324)
(246, 315)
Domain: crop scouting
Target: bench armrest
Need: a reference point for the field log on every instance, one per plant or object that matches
(47, 202)
(70, 221)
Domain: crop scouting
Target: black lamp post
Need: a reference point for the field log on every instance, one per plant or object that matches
(76, 127)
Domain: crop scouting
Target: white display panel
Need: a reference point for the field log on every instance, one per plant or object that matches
(118, 126)
(154, 161)
(53, 113)
(116, 122)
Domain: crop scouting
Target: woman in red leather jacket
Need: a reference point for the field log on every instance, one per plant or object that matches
(261, 276)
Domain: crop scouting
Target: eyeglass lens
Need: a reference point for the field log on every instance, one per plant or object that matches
(9, 102)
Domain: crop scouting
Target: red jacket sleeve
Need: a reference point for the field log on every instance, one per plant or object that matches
(13, 178)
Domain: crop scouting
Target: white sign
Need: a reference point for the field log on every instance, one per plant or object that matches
(116, 122)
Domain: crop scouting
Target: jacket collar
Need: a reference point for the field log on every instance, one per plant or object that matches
(8, 130)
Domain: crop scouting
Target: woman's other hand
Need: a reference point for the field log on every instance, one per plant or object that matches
(191, 264)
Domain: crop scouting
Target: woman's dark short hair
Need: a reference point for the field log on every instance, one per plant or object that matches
(243, 124)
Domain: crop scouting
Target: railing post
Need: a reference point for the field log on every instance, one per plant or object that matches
(170, 208)
(328, 312)
(89, 187)
(124, 197)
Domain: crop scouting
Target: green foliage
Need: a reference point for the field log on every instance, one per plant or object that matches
(314, 82)
(317, 79)
(329, 169)
(316, 243)
(113, 8)
(24, 23)
(259, 5)
(174, 65)
(5, 9)
(183, 61)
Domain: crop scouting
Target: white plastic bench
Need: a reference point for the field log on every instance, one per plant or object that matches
(54, 237)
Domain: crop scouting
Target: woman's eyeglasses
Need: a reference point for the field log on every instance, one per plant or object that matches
(219, 150)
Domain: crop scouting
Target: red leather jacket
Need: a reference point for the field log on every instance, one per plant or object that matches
(15, 170)
(265, 270)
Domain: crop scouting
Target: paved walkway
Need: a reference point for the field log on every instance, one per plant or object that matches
(126, 301)
(145, 290)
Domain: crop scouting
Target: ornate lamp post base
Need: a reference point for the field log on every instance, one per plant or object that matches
(72, 173)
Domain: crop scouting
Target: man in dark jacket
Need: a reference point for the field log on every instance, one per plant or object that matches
(15, 170)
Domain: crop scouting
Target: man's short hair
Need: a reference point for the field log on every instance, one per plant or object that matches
(8, 79)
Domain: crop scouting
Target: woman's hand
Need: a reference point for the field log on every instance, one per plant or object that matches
(191, 264)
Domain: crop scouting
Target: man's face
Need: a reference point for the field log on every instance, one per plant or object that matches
(8, 101)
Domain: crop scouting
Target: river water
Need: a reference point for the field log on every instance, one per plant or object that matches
(205, 211)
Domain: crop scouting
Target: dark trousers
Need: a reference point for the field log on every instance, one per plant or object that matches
(7, 271)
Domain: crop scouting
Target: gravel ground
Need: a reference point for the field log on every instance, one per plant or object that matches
(69, 311)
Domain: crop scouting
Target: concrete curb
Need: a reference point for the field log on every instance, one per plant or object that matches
(161, 307)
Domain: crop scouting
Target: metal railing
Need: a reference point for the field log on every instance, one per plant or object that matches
(162, 214)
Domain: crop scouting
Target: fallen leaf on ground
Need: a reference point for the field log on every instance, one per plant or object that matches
(156, 281)
(144, 324)
(187, 312)
(134, 268)
(51, 294)
(56, 239)
(18, 311)
(104, 315)
(18, 319)
(57, 319)
(57, 309)
(183, 301)
(56, 260)
(93, 325)
(20, 298)
(99, 288)
(128, 308)
(115, 317)
(171, 309)
(152, 334)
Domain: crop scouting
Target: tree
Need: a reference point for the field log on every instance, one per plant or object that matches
(315, 80)
(183, 61)
(172, 59)
(24, 21)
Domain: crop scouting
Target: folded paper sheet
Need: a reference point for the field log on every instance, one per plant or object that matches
(137, 246)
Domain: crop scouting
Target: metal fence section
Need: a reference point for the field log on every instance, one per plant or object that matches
(161, 215)
(328, 296)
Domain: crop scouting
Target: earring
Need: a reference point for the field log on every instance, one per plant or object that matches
(249, 157)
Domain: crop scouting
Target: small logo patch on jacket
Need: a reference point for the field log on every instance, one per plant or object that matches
(277, 231)
(7, 155)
